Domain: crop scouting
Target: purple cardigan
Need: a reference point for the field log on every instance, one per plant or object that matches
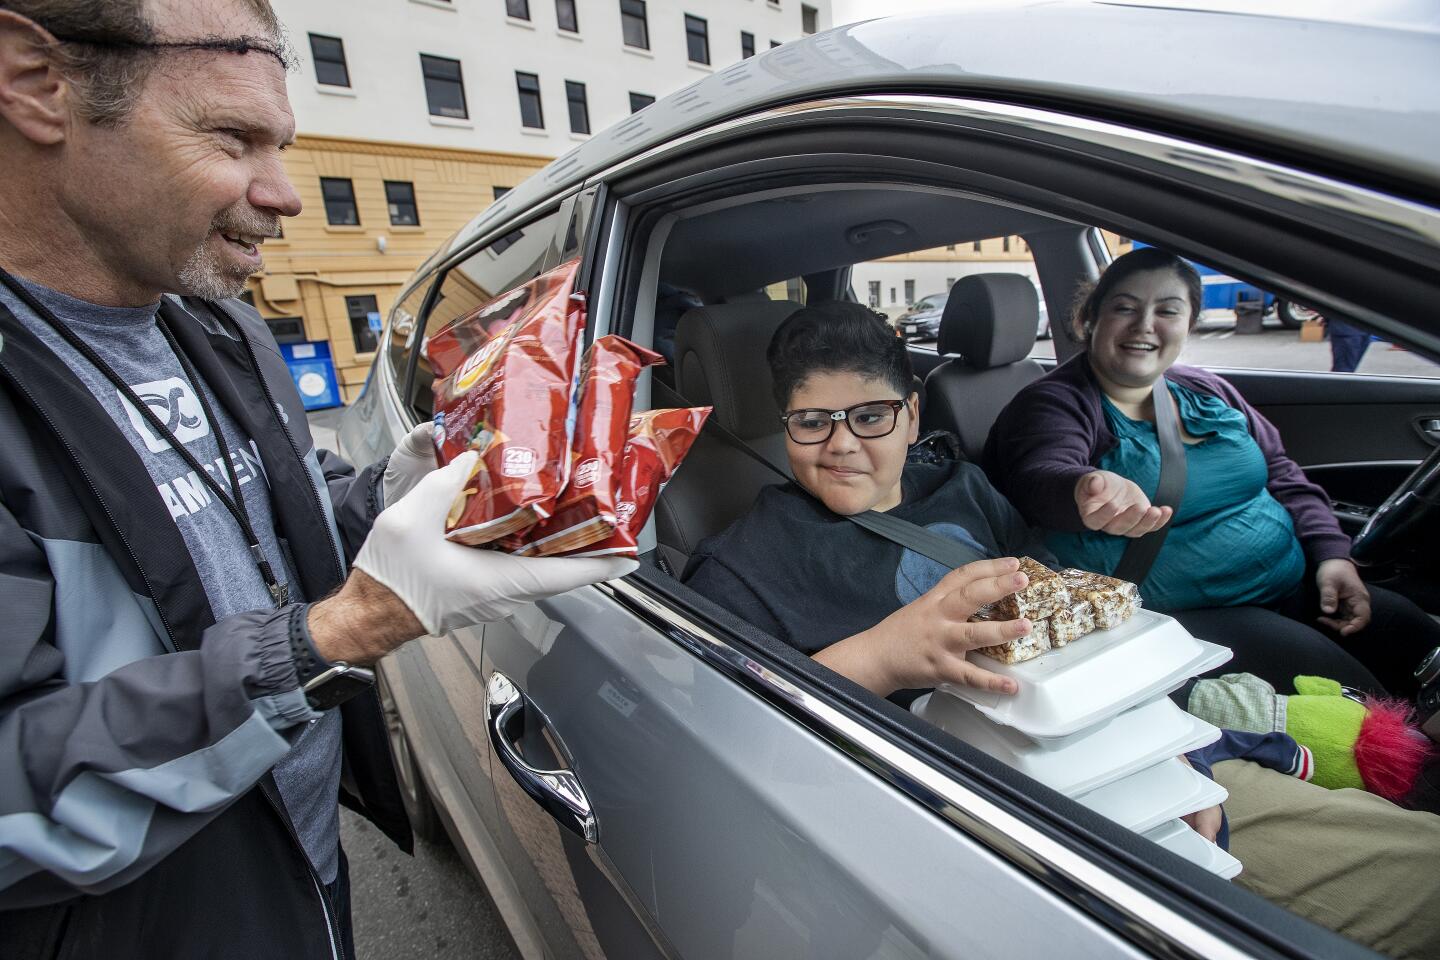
(1054, 432)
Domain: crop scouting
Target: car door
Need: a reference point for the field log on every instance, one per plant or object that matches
(659, 795)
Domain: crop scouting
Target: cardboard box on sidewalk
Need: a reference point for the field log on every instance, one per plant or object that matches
(1312, 331)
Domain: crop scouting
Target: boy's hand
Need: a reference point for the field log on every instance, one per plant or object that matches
(924, 642)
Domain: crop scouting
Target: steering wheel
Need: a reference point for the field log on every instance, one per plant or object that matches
(1401, 512)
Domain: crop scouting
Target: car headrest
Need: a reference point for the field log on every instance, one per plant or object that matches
(990, 319)
(720, 360)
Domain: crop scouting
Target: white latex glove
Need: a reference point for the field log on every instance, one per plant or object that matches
(447, 585)
(414, 457)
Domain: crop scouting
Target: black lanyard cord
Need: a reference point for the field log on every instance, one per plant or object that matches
(279, 592)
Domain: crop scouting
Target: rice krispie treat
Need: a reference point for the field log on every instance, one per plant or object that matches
(1113, 601)
(1028, 647)
(1045, 594)
(1071, 623)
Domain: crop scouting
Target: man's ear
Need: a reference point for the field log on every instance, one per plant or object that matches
(34, 95)
(912, 403)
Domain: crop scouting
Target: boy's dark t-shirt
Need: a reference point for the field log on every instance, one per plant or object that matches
(811, 578)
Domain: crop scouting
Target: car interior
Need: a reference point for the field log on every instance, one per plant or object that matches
(728, 251)
(748, 255)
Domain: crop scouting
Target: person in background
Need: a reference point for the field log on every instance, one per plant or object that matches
(1347, 345)
(1254, 557)
(190, 589)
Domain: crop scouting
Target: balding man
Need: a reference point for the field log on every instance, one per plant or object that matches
(190, 591)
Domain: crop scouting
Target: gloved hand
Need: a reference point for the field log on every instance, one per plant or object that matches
(447, 585)
(414, 457)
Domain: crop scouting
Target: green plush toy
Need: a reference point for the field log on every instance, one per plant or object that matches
(1367, 744)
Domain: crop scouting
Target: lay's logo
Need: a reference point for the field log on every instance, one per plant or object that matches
(477, 365)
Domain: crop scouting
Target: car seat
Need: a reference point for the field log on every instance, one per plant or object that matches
(720, 361)
(990, 322)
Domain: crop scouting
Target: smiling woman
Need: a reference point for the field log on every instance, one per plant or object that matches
(1252, 554)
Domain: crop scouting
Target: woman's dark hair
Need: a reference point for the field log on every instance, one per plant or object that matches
(1142, 260)
(837, 337)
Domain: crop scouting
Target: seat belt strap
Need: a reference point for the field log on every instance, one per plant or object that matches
(941, 549)
(1141, 552)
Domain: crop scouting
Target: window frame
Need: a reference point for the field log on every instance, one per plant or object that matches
(697, 28)
(342, 63)
(325, 184)
(521, 78)
(430, 62)
(512, 5)
(647, 98)
(350, 314)
(747, 44)
(574, 16)
(629, 17)
(576, 96)
(391, 202)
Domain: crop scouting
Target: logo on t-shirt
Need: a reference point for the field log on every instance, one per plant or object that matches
(175, 404)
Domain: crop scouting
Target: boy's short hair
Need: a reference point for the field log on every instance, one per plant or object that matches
(837, 337)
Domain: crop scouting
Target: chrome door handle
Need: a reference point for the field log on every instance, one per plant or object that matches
(558, 791)
(1431, 429)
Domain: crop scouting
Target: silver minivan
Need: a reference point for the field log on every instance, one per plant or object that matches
(635, 772)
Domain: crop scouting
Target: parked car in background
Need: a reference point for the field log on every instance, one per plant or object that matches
(1226, 293)
(636, 773)
(922, 321)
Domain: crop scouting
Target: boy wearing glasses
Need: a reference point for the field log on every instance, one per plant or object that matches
(887, 618)
(896, 622)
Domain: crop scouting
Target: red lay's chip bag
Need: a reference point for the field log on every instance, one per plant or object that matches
(511, 398)
(585, 510)
(659, 440)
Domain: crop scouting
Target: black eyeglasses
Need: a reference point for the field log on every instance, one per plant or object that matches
(868, 421)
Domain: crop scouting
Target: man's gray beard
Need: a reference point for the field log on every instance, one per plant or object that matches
(203, 276)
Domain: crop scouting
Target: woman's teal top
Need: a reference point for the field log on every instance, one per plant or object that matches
(1230, 543)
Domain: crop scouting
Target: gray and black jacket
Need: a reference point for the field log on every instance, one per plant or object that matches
(137, 813)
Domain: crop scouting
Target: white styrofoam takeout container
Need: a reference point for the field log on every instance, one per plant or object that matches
(1129, 742)
(1094, 678)
(1177, 837)
(1145, 800)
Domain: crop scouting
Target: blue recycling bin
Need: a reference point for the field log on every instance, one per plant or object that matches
(313, 372)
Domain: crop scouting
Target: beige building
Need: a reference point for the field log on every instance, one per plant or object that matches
(413, 115)
(337, 280)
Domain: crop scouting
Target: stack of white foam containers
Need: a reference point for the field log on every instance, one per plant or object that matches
(1092, 720)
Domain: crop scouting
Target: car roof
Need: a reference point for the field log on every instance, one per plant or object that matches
(1357, 99)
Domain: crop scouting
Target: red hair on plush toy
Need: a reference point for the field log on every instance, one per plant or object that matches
(1390, 751)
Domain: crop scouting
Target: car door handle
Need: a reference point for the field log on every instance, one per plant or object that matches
(1431, 428)
(558, 791)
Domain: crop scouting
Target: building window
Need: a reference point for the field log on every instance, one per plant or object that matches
(444, 87)
(747, 45)
(807, 18)
(531, 115)
(519, 9)
(400, 198)
(633, 24)
(499, 192)
(579, 109)
(874, 293)
(639, 101)
(339, 195)
(949, 282)
(329, 56)
(364, 322)
(892, 295)
(909, 292)
(774, 44)
(565, 15)
(697, 39)
(978, 248)
(1005, 244)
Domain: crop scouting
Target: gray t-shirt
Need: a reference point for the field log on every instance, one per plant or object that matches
(128, 339)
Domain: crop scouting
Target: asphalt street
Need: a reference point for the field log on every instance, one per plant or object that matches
(426, 907)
